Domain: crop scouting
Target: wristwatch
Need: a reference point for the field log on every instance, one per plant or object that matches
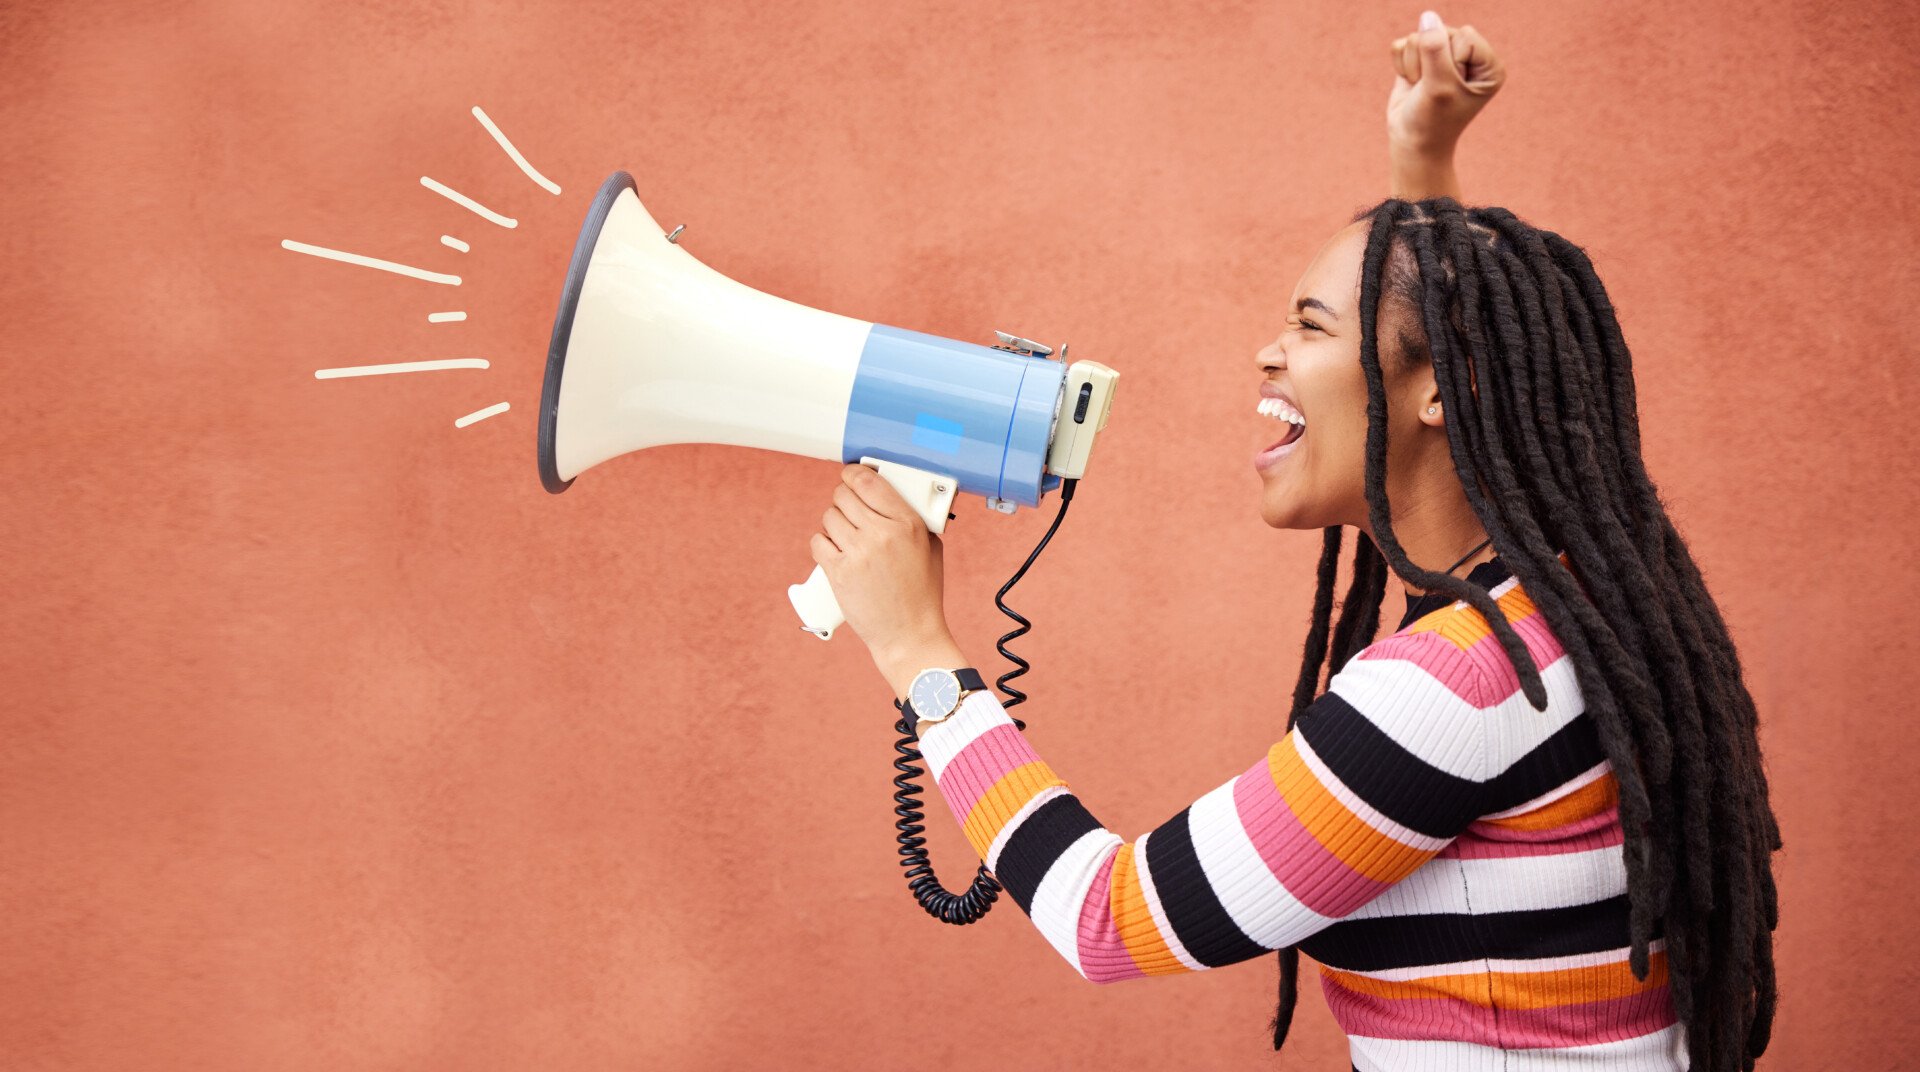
(936, 694)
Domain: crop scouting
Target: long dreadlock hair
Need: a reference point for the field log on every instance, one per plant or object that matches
(1542, 429)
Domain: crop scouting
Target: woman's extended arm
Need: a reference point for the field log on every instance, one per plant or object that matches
(1378, 776)
(1442, 78)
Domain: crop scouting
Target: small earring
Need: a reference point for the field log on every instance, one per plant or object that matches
(1432, 409)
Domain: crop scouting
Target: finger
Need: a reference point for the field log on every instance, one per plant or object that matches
(1406, 58)
(838, 528)
(874, 490)
(1479, 65)
(1436, 52)
(854, 508)
(822, 549)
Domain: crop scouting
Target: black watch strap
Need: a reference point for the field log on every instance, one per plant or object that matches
(970, 681)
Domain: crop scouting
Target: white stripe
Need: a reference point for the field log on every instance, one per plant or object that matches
(486, 121)
(1253, 897)
(400, 366)
(1416, 709)
(1367, 813)
(1574, 960)
(1519, 729)
(455, 243)
(1511, 884)
(467, 203)
(442, 318)
(1057, 900)
(1032, 805)
(1154, 909)
(1479, 965)
(1579, 781)
(481, 414)
(1425, 717)
(370, 262)
(1664, 1050)
(978, 713)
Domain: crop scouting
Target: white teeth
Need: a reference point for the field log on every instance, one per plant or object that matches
(1277, 408)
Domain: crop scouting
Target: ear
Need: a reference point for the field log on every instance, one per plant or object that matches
(1432, 411)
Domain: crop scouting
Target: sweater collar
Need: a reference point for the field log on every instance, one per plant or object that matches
(1483, 576)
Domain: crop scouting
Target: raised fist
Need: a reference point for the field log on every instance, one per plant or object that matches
(1443, 76)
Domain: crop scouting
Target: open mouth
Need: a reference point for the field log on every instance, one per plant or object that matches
(1272, 455)
(1280, 409)
(1294, 432)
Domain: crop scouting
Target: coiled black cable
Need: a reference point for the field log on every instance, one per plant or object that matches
(958, 909)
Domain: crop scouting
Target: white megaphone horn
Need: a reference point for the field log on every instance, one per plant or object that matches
(651, 347)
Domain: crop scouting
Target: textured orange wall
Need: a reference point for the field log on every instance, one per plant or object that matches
(331, 741)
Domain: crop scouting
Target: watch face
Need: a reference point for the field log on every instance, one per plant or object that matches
(934, 693)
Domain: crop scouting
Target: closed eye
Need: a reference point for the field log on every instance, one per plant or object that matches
(1308, 325)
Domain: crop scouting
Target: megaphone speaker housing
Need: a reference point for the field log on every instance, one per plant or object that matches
(651, 347)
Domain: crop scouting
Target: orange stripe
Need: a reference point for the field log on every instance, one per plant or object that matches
(1333, 825)
(1517, 990)
(1468, 626)
(1583, 803)
(999, 804)
(1134, 921)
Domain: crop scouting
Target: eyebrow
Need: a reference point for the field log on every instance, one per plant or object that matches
(1315, 303)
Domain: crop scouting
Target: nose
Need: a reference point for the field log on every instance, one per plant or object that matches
(1270, 357)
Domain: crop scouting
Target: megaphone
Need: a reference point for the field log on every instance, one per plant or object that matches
(652, 347)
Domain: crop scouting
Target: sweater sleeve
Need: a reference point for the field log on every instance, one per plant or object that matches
(1378, 774)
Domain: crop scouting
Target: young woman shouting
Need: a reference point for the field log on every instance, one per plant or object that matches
(1528, 829)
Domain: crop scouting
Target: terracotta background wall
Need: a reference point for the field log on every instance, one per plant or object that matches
(331, 741)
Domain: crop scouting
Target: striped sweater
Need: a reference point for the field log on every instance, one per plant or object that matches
(1450, 857)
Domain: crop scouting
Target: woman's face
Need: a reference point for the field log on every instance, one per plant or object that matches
(1320, 478)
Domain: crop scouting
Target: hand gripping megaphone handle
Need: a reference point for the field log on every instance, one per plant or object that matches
(930, 495)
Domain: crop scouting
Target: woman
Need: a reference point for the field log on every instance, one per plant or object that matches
(1529, 829)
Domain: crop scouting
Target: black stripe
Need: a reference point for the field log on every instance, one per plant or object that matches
(1486, 575)
(1573, 748)
(1037, 842)
(1193, 909)
(1402, 786)
(1445, 937)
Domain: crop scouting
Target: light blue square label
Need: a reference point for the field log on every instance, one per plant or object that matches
(937, 433)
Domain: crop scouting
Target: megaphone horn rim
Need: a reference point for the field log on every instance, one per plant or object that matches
(583, 247)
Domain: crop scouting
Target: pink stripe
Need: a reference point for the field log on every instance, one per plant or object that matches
(985, 760)
(1435, 654)
(1589, 1021)
(1450, 1019)
(1103, 954)
(1482, 841)
(1442, 1019)
(1482, 674)
(1321, 880)
(1501, 681)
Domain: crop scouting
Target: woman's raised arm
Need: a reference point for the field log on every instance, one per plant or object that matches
(1443, 76)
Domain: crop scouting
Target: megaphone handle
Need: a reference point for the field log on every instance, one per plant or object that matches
(930, 495)
(816, 604)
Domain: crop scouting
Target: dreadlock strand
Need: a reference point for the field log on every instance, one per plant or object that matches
(1315, 654)
(1648, 623)
(1360, 610)
(1379, 238)
(1643, 804)
(1303, 692)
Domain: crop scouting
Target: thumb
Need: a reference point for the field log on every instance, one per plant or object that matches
(1436, 53)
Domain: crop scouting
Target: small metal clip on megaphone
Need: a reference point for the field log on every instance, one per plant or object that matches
(651, 347)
